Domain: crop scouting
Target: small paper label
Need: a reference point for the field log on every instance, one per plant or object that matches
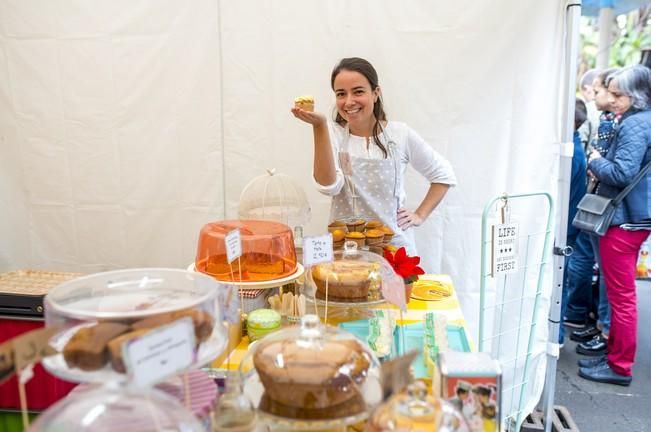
(229, 303)
(317, 250)
(32, 346)
(393, 288)
(396, 374)
(233, 242)
(160, 353)
(6, 360)
(505, 255)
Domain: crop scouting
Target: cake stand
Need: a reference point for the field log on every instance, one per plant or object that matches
(338, 311)
(125, 297)
(273, 283)
(254, 391)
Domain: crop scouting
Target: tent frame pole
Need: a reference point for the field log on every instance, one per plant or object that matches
(561, 250)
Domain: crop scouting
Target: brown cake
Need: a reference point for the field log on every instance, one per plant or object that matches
(348, 280)
(313, 381)
(87, 348)
(203, 322)
(115, 348)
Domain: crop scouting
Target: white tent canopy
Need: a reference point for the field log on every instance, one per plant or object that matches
(126, 126)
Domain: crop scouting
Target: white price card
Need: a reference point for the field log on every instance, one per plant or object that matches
(233, 242)
(229, 302)
(505, 249)
(160, 353)
(317, 250)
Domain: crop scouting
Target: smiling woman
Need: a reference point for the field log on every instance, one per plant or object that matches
(360, 159)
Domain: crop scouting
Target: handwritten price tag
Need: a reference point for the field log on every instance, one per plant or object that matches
(31, 347)
(160, 353)
(317, 250)
(233, 242)
(229, 303)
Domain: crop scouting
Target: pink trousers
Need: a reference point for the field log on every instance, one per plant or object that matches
(619, 250)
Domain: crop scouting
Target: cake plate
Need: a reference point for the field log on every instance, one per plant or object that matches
(337, 310)
(254, 391)
(273, 283)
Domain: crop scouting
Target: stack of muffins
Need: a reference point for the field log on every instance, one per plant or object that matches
(373, 234)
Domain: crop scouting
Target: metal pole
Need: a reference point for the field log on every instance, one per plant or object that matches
(571, 42)
(606, 15)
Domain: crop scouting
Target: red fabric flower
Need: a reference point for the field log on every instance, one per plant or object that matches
(404, 265)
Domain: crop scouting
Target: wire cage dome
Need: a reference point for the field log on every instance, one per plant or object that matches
(277, 197)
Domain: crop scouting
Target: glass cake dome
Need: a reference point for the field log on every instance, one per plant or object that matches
(354, 276)
(95, 315)
(312, 376)
(114, 408)
(414, 410)
(277, 197)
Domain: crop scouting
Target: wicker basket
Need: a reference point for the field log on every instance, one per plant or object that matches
(22, 291)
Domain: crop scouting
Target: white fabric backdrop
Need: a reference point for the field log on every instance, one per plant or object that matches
(127, 125)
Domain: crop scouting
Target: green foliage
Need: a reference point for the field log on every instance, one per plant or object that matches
(630, 33)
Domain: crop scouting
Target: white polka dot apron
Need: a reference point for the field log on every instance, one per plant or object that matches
(371, 191)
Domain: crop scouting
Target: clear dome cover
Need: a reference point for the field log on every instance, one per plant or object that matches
(415, 411)
(312, 376)
(95, 315)
(114, 408)
(276, 197)
(268, 251)
(354, 276)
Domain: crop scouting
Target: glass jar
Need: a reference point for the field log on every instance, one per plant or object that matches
(234, 411)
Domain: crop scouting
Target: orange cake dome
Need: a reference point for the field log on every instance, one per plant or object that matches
(268, 251)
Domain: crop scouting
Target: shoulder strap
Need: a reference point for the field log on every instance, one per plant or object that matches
(620, 196)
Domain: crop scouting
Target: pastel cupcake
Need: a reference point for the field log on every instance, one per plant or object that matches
(388, 233)
(374, 237)
(357, 237)
(356, 225)
(338, 238)
(373, 224)
(337, 225)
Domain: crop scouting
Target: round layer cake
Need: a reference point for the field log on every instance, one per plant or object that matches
(268, 251)
(312, 380)
(344, 280)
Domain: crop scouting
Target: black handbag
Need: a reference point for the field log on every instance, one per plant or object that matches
(595, 212)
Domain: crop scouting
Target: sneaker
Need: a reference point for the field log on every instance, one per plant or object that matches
(585, 334)
(603, 373)
(591, 362)
(574, 324)
(597, 346)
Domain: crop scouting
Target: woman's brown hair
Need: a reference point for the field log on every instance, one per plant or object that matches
(356, 64)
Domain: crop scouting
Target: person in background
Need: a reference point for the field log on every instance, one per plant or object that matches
(577, 190)
(629, 94)
(593, 339)
(588, 131)
(360, 159)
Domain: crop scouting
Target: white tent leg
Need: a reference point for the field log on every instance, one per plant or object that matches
(571, 41)
(605, 36)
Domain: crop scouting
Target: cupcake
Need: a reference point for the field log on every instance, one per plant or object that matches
(373, 224)
(305, 102)
(356, 225)
(374, 237)
(357, 237)
(337, 225)
(388, 233)
(338, 238)
(261, 322)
